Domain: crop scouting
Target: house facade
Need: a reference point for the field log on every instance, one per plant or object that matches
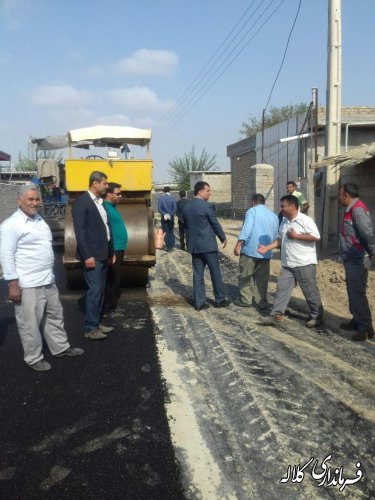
(294, 149)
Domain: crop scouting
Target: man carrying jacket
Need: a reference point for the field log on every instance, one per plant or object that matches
(356, 239)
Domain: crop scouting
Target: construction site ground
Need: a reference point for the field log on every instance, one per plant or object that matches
(176, 403)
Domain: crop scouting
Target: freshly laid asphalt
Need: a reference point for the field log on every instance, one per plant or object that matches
(94, 426)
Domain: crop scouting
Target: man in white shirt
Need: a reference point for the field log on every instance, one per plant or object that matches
(298, 235)
(27, 260)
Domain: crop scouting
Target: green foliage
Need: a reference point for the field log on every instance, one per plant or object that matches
(180, 167)
(272, 117)
(27, 162)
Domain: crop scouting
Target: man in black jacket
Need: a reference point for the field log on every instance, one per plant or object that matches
(95, 251)
(181, 224)
(202, 229)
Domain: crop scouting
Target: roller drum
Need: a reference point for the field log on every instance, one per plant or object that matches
(140, 251)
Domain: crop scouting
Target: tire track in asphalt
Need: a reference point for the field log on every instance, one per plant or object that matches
(267, 393)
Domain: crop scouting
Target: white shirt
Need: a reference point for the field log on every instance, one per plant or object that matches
(26, 250)
(297, 253)
(103, 213)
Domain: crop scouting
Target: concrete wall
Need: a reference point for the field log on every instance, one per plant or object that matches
(8, 203)
(8, 200)
(155, 198)
(220, 184)
(291, 160)
(364, 177)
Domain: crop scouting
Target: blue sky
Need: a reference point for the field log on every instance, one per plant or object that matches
(67, 64)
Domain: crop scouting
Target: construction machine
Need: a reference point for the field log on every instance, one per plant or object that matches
(135, 178)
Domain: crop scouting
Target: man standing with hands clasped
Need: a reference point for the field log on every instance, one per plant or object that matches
(202, 229)
(356, 239)
(27, 260)
(95, 250)
(298, 235)
(119, 235)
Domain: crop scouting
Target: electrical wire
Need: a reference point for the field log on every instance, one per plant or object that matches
(193, 99)
(285, 51)
(203, 90)
(208, 66)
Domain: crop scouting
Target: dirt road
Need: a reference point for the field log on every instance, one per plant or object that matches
(248, 399)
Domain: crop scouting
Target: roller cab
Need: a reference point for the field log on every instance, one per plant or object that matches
(135, 178)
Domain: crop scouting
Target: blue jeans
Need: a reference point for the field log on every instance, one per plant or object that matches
(96, 280)
(167, 227)
(199, 261)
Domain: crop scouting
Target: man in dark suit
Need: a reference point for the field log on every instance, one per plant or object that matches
(95, 251)
(202, 229)
(181, 224)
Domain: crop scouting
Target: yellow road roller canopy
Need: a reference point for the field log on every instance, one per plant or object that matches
(112, 136)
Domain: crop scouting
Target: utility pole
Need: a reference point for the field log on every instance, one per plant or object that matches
(333, 118)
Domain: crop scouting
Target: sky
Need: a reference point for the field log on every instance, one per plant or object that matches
(191, 70)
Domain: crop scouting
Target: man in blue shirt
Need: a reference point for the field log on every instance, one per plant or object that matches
(260, 227)
(167, 209)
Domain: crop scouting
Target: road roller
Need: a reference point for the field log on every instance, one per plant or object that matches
(135, 178)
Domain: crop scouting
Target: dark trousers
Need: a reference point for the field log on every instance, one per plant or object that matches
(356, 283)
(96, 281)
(113, 281)
(182, 234)
(168, 227)
(199, 261)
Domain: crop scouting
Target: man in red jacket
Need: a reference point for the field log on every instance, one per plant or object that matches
(356, 240)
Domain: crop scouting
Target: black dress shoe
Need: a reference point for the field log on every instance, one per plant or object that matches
(223, 303)
(240, 303)
(203, 306)
(361, 336)
(349, 325)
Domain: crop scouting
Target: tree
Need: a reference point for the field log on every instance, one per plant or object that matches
(274, 116)
(27, 162)
(180, 167)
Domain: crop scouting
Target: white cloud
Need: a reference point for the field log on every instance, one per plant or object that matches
(140, 99)
(148, 62)
(58, 95)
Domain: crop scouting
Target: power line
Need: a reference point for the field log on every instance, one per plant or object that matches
(196, 96)
(285, 51)
(202, 91)
(207, 67)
